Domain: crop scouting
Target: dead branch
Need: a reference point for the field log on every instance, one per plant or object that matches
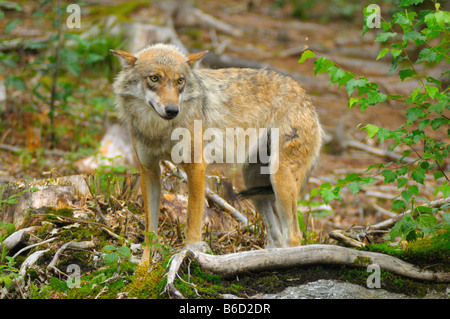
(33, 245)
(342, 236)
(278, 258)
(69, 245)
(282, 258)
(175, 264)
(30, 261)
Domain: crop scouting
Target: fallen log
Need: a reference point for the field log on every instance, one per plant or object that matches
(282, 258)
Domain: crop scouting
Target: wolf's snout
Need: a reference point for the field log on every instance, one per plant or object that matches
(172, 111)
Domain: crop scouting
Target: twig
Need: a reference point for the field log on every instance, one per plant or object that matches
(33, 245)
(71, 245)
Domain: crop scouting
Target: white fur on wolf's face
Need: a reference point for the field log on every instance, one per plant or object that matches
(155, 102)
(162, 90)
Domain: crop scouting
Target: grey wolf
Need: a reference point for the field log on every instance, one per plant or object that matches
(161, 89)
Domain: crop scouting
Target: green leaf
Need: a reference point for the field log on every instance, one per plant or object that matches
(407, 195)
(111, 258)
(399, 205)
(413, 114)
(402, 170)
(355, 187)
(402, 181)
(415, 36)
(375, 97)
(35, 45)
(445, 189)
(327, 195)
(306, 54)
(124, 251)
(438, 122)
(427, 55)
(93, 58)
(406, 3)
(414, 189)
(16, 82)
(389, 176)
(438, 174)
(396, 52)
(353, 83)
(382, 53)
(371, 130)
(335, 74)
(321, 65)
(369, 180)
(418, 175)
(384, 36)
(352, 101)
(109, 248)
(406, 73)
(431, 90)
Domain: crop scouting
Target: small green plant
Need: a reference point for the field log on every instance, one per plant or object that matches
(116, 255)
(8, 271)
(420, 137)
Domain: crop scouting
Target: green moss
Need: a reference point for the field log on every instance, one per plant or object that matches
(432, 252)
(63, 212)
(362, 261)
(197, 283)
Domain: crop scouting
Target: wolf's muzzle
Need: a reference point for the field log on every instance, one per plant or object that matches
(171, 111)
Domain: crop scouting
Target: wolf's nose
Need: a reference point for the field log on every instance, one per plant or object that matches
(172, 111)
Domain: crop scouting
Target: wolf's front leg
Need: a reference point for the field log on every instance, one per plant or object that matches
(151, 193)
(196, 191)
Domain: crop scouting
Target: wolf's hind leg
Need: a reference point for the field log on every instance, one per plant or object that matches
(286, 183)
(264, 204)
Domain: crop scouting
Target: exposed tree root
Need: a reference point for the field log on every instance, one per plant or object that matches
(279, 258)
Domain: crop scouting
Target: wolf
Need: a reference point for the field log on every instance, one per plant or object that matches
(160, 89)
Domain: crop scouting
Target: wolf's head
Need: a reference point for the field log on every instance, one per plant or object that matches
(158, 75)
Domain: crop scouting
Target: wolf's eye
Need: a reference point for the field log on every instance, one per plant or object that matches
(154, 78)
(180, 81)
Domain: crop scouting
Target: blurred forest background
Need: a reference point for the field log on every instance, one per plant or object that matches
(57, 107)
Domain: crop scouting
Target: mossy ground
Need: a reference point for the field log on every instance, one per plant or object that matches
(195, 283)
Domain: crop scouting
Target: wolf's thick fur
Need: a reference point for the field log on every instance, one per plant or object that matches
(160, 89)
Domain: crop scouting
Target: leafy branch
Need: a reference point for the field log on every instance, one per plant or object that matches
(425, 107)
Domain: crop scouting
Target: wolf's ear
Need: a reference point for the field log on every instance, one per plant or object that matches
(194, 57)
(126, 59)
